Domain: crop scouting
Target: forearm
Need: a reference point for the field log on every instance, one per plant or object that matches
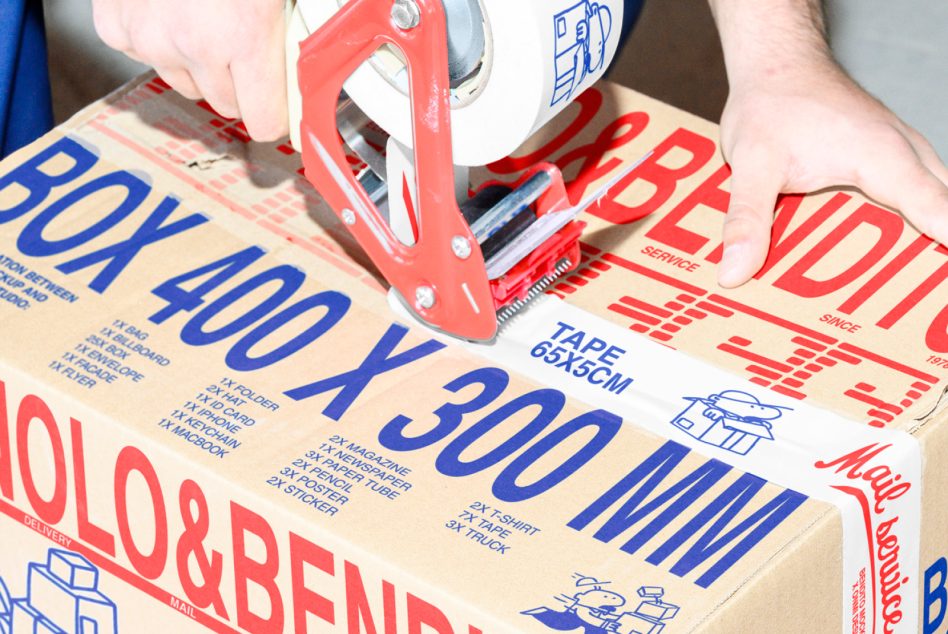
(771, 39)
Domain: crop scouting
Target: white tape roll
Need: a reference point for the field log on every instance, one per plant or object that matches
(540, 55)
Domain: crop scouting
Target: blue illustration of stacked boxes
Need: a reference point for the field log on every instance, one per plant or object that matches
(62, 598)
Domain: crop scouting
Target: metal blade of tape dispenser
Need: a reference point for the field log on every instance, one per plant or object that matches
(522, 241)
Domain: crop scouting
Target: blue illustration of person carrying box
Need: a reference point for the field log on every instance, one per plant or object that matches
(732, 420)
(582, 33)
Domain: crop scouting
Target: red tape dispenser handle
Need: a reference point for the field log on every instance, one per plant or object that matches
(443, 280)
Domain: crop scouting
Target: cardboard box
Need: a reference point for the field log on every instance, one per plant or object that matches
(210, 417)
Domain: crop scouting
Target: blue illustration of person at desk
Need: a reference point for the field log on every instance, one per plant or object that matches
(595, 610)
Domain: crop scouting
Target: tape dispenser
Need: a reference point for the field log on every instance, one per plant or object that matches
(450, 84)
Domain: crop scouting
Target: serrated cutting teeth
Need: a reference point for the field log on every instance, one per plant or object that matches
(511, 310)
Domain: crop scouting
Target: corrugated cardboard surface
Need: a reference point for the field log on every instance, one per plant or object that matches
(849, 314)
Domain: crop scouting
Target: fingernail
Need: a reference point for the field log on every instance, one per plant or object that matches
(731, 269)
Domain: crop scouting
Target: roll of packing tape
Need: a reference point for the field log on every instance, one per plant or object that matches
(538, 56)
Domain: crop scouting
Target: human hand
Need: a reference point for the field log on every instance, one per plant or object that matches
(796, 123)
(230, 52)
(819, 131)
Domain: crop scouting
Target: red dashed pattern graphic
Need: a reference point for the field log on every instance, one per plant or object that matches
(809, 353)
(201, 140)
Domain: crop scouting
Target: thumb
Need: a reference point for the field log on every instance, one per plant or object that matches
(755, 186)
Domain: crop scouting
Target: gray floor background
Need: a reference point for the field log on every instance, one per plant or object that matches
(897, 50)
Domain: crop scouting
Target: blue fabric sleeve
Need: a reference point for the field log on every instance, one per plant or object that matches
(632, 10)
(25, 103)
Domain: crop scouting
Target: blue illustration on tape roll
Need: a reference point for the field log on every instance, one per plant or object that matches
(62, 597)
(732, 420)
(597, 610)
(582, 33)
